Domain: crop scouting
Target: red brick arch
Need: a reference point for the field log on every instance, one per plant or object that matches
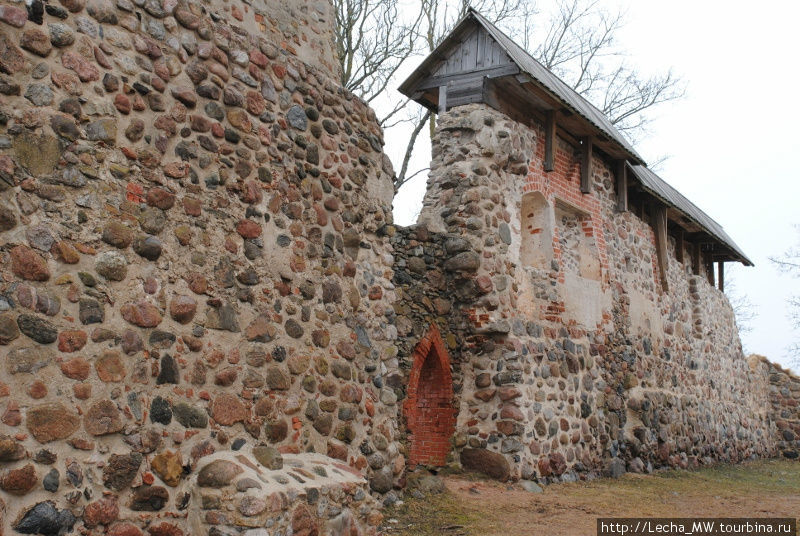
(428, 409)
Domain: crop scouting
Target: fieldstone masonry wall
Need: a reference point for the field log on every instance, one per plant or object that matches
(208, 323)
(194, 266)
(581, 364)
(784, 395)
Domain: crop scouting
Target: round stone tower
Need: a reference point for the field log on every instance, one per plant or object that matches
(195, 297)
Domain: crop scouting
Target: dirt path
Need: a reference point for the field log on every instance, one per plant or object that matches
(479, 508)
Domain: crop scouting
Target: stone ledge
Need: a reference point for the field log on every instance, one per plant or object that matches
(309, 494)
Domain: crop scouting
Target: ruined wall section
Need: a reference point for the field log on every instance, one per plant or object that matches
(584, 363)
(784, 397)
(430, 293)
(193, 261)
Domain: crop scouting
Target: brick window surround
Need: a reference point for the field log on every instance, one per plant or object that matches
(428, 409)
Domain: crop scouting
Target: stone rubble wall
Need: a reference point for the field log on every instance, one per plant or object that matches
(194, 260)
(784, 397)
(308, 494)
(207, 318)
(583, 364)
(425, 291)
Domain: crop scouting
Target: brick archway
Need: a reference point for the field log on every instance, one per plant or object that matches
(428, 409)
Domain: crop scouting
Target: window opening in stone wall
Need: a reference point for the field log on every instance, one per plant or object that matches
(536, 222)
(579, 253)
(428, 409)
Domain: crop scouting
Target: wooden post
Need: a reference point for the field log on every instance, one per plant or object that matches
(721, 275)
(622, 186)
(442, 99)
(660, 229)
(679, 246)
(550, 141)
(586, 165)
(710, 267)
(696, 258)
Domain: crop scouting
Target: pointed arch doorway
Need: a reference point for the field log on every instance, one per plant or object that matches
(428, 409)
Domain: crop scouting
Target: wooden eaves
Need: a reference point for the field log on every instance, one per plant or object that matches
(476, 62)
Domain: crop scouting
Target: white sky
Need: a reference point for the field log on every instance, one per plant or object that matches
(732, 142)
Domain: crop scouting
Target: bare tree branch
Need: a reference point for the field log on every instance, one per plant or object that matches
(384, 121)
(743, 308)
(373, 39)
(401, 179)
(789, 263)
(576, 40)
(579, 45)
(785, 265)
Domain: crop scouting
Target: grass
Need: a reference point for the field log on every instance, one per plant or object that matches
(752, 478)
(471, 507)
(431, 516)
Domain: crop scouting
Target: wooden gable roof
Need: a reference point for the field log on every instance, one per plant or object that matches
(477, 62)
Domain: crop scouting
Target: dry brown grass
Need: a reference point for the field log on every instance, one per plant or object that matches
(473, 507)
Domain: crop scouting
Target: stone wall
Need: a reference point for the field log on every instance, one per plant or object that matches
(574, 361)
(207, 318)
(194, 263)
(428, 318)
(784, 397)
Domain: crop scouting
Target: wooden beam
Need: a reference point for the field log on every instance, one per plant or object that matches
(622, 186)
(586, 165)
(442, 99)
(511, 100)
(679, 246)
(709, 268)
(660, 229)
(696, 253)
(495, 72)
(550, 141)
(701, 236)
(721, 276)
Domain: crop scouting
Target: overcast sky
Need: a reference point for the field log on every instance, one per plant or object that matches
(732, 142)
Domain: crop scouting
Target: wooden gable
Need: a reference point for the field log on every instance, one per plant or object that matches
(477, 52)
(477, 63)
(464, 61)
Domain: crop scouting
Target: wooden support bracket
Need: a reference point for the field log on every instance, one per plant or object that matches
(550, 141)
(622, 185)
(586, 165)
(660, 228)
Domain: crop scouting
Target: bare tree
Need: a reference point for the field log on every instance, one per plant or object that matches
(576, 40)
(438, 19)
(373, 40)
(743, 308)
(578, 43)
(789, 263)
